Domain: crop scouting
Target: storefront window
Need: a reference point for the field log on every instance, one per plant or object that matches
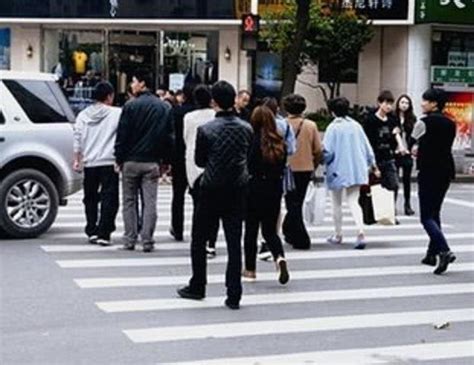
(189, 58)
(82, 58)
(77, 59)
(454, 49)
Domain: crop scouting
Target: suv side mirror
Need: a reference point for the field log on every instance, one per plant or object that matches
(2, 117)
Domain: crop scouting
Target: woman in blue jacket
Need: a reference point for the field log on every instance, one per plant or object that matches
(348, 156)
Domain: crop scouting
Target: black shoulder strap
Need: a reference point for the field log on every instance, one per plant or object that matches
(299, 129)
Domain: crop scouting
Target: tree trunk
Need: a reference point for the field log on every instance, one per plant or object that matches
(291, 59)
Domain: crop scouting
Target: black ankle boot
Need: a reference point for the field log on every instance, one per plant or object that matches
(429, 260)
(445, 258)
(408, 210)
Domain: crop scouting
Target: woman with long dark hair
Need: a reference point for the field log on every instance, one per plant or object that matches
(406, 120)
(266, 164)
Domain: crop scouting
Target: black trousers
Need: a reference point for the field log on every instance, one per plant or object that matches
(263, 208)
(214, 226)
(432, 188)
(294, 228)
(228, 206)
(101, 185)
(180, 184)
(405, 164)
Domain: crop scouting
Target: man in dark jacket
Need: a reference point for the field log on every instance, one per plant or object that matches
(180, 182)
(435, 134)
(222, 149)
(144, 140)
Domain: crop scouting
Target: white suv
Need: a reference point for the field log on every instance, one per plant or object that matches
(36, 152)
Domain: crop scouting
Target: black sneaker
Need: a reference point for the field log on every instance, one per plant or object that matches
(93, 240)
(148, 247)
(429, 260)
(177, 237)
(234, 305)
(283, 274)
(264, 254)
(409, 211)
(104, 242)
(188, 293)
(445, 258)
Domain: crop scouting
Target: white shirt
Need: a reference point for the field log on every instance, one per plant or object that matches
(192, 121)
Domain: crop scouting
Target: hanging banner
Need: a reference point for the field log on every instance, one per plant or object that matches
(4, 48)
(445, 11)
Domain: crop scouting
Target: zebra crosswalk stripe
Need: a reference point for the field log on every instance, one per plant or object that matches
(288, 298)
(143, 281)
(402, 354)
(311, 255)
(302, 325)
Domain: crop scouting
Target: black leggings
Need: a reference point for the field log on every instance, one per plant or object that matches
(263, 208)
(405, 164)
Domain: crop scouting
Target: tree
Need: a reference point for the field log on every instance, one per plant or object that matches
(339, 46)
(334, 36)
(286, 34)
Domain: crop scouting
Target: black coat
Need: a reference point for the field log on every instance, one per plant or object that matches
(145, 132)
(222, 149)
(435, 146)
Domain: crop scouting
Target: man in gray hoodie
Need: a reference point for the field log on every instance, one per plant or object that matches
(94, 138)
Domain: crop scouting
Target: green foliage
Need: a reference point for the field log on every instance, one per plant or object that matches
(323, 118)
(336, 38)
(280, 29)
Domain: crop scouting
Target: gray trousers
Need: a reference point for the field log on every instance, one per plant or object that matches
(135, 175)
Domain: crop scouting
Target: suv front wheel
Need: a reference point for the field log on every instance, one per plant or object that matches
(28, 203)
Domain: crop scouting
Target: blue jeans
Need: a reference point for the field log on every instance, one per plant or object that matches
(432, 188)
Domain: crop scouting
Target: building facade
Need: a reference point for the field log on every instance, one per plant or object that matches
(417, 44)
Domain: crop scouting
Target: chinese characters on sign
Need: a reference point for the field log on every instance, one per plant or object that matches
(367, 4)
(459, 3)
(445, 11)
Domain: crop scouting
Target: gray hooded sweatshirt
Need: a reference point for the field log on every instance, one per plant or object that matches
(94, 134)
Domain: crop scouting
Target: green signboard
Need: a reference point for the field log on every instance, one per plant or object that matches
(452, 75)
(445, 11)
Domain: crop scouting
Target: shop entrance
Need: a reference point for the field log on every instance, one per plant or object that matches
(129, 52)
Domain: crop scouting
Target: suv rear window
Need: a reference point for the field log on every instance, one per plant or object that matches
(42, 101)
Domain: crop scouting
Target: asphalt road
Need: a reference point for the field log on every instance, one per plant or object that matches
(63, 301)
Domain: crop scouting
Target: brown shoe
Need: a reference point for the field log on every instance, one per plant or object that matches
(249, 276)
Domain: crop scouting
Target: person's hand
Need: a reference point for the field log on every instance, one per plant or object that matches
(414, 151)
(377, 172)
(117, 168)
(77, 165)
(165, 169)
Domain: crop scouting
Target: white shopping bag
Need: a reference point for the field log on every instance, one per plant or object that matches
(383, 201)
(314, 204)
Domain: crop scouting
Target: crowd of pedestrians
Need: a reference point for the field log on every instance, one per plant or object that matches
(240, 163)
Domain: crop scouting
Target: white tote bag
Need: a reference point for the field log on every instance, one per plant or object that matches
(383, 201)
(314, 204)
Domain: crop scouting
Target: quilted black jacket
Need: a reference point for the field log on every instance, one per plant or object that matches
(222, 149)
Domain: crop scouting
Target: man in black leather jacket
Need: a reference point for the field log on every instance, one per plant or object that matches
(222, 149)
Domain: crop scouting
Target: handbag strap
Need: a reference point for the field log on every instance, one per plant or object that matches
(298, 131)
